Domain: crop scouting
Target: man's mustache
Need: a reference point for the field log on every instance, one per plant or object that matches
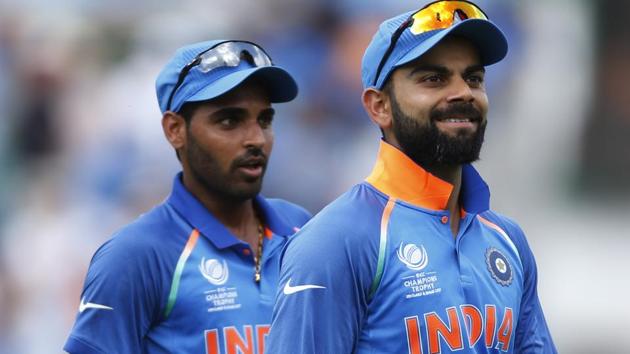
(457, 110)
(252, 157)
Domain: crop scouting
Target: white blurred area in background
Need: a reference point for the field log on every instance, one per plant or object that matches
(82, 151)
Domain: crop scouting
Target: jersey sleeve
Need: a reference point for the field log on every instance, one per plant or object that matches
(326, 274)
(532, 333)
(119, 301)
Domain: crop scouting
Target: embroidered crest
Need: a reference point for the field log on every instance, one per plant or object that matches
(499, 266)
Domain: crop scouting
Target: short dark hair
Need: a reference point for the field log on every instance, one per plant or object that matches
(188, 110)
(388, 89)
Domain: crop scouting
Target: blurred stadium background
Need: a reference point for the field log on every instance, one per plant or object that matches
(82, 152)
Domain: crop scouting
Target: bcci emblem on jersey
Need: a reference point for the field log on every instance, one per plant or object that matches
(214, 271)
(499, 267)
(414, 257)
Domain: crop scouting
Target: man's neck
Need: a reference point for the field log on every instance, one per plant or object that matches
(233, 214)
(237, 215)
(453, 175)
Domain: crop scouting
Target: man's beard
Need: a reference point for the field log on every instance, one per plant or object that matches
(206, 170)
(427, 146)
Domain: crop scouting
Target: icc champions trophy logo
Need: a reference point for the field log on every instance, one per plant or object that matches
(214, 271)
(412, 256)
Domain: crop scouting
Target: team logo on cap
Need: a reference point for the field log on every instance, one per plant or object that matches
(412, 256)
(214, 271)
(499, 267)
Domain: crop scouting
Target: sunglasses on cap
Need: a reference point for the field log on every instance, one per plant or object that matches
(224, 54)
(435, 16)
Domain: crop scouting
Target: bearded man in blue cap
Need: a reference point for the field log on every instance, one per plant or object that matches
(413, 260)
(198, 273)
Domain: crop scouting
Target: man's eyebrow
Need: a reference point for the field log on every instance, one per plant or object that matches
(229, 112)
(268, 111)
(439, 69)
(475, 68)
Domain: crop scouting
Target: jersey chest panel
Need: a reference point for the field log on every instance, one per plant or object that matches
(439, 294)
(219, 307)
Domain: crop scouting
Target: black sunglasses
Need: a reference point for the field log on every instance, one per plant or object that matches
(223, 54)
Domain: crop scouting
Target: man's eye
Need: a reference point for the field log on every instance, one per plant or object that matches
(228, 122)
(475, 79)
(433, 78)
(265, 121)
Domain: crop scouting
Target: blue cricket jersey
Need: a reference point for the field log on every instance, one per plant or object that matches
(177, 281)
(379, 271)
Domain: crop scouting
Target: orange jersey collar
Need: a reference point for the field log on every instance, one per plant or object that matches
(396, 175)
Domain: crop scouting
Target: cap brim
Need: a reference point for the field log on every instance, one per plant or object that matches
(486, 36)
(279, 84)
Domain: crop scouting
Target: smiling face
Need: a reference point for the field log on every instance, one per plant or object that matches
(436, 106)
(225, 146)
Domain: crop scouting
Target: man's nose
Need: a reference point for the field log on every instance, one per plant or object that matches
(460, 90)
(254, 135)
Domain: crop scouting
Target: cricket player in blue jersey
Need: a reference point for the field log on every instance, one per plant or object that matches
(412, 260)
(199, 272)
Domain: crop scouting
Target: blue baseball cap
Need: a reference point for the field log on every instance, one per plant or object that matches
(485, 35)
(200, 85)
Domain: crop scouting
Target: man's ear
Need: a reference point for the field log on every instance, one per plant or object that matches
(378, 106)
(174, 127)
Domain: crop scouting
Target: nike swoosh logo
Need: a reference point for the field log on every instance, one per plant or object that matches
(288, 289)
(90, 305)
